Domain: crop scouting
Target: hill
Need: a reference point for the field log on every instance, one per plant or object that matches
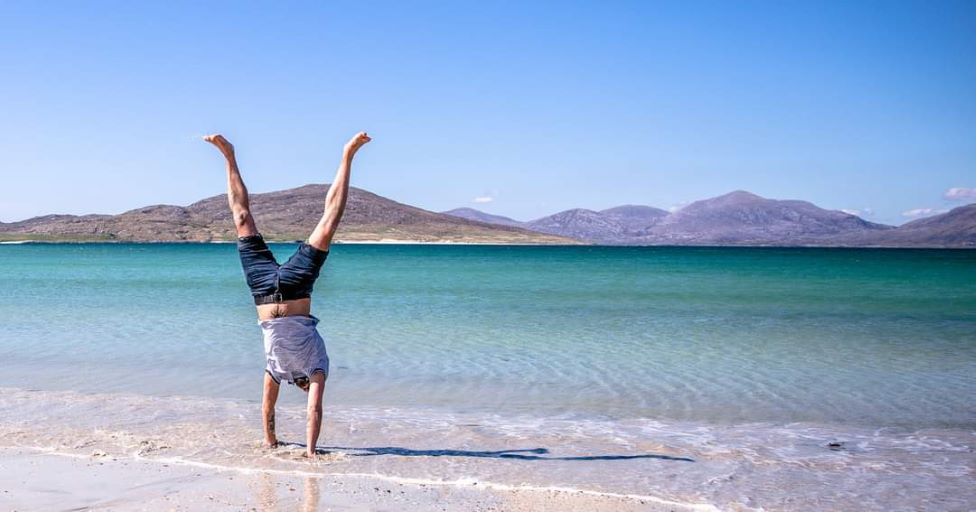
(955, 228)
(743, 218)
(617, 225)
(283, 215)
(480, 216)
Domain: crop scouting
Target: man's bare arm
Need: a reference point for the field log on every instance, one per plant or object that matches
(335, 199)
(268, 410)
(316, 387)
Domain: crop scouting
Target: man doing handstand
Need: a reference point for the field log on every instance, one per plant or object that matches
(283, 293)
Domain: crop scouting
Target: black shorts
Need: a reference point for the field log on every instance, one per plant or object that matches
(266, 277)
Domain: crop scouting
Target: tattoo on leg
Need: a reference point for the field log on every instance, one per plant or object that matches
(271, 423)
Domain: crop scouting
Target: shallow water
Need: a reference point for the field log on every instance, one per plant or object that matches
(688, 465)
(763, 356)
(861, 337)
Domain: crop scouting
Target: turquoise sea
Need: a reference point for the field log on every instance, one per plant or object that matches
(723, 355)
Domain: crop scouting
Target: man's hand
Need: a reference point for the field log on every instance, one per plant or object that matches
(356, 142)
(222, 144)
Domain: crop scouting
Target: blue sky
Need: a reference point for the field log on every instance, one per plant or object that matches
(531, 107)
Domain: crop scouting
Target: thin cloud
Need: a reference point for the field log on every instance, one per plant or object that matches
(675, 207)
(960, 194)
(922, 212)
(483, 199)
(863, 212)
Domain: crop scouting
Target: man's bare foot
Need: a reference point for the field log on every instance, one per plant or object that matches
(357, 141)
(222, 144)
(310, 455)
(272, 444)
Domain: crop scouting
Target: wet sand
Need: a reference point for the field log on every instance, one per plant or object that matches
(39, 480)
(67, 451)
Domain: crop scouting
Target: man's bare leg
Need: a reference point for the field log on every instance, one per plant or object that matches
(237, 197)
(335, 199)
(316, 386)
(268, 410)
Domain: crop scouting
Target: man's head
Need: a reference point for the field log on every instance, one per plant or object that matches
(302, 383)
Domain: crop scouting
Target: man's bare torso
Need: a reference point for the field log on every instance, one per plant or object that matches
(297, 307)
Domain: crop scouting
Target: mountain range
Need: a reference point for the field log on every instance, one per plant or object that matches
(283, 215)
(743, 218)
(736, 218)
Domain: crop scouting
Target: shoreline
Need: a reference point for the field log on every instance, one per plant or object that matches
(385, 241)
(157, 452)
(497, 244)
(130, 481)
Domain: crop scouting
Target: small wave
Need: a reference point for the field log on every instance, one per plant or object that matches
(663, 463)
(460, 482)
(463, 482)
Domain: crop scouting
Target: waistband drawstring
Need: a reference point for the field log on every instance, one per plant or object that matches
(277, 294)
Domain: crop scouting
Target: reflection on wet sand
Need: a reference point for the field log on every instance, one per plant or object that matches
(267, 494)
(311, 501)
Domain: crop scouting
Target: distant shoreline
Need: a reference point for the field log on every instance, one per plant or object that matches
(271, 241)
(736, 219)
(499, 244)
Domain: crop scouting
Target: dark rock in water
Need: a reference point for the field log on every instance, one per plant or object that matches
(836, 445)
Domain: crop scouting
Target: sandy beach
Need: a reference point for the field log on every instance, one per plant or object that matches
(73, 451)
(43, 480)
(122, 452)
(482, 378)
(488, 256)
